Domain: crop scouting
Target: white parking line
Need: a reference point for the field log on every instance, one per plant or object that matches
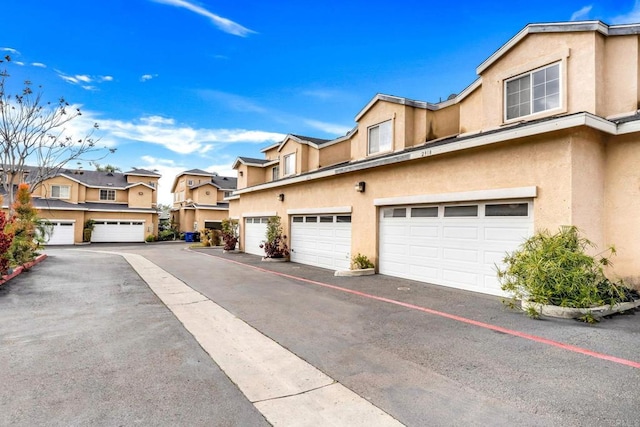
(284, 388)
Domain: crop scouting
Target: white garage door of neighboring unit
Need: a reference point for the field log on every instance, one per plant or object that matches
(118, 231)
(255, 231)
(62, 233)
(452, 245)
(321, 240)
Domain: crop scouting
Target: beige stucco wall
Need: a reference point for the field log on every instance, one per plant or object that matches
(137, 200)
(618, 86)
(622, 205)
(44, 190)
(203, 215)
(334, 154)
(199, 195)
(442, 123)
(471, 112)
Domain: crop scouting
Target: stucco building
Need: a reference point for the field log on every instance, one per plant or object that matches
(199, 200)
(122, 206)
(548, 135)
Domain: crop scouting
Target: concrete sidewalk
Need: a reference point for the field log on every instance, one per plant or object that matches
(284, 388)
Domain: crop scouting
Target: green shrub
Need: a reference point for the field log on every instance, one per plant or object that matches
(555, 269)
(169, 234)
(359, 262)
(150, 238)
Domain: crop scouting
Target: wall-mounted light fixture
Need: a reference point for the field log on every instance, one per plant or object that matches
(360, 186)
(281, 197)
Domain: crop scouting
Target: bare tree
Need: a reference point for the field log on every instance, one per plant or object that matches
(34, 138)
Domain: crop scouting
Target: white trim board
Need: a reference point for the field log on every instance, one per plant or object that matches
(328, 210)
(462, 196)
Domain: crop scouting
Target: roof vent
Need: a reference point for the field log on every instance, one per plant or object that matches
(452, 96)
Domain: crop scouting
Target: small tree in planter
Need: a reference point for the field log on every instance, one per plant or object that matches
(87, 230)
(555, 270)
(28, 233)
(230, 234)
(275, 246)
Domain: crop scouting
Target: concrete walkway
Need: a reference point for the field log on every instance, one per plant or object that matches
(284, 388)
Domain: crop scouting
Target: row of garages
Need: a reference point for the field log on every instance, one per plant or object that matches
(457, 245)
(116, 231)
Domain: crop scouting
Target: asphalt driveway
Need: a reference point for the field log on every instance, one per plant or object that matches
(424, 354)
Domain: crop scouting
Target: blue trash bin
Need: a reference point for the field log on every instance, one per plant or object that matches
(188, 236)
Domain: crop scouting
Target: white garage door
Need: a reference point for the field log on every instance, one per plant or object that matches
(321, 240)
(62, 233)
(452, 245)
(255, 231)
(118, 231)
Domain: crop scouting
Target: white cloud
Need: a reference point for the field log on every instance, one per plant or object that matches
(631, 17)
(18, 63)
(223, 24)
(83, 79)
(146, 77)
(38, 64)
(181, 138)
(10, 50)
(328, 127)
(582, 14)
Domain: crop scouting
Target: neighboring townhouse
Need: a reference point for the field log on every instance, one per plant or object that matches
(548, 135)
(199, 200)
(121, 205)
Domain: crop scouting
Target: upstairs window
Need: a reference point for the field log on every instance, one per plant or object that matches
(228, 194)
(275, 173)
(380, 138)
(109, 195)
(290, 164)
(60, 191)
(533, 92)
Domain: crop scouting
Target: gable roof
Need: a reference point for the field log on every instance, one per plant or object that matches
(250, 161)
(225, 182)
(559, 27)
(142, 172)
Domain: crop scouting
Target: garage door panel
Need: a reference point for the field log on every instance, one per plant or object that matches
(254, 234)
(425, 231)
(460, 277)
(458, 232)
(466, 255)
(62, 233)
(505, 234)
(118, 231)
(421, 252)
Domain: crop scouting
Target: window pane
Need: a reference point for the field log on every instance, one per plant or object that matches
(385, 136)
(326, 219)
(312, 219)
(343, 218)
(553, 72)
(431, 212)
(248, 220)
(511, 209)
(297, 219)
(394, 213)
(458, 211)
(374, 140)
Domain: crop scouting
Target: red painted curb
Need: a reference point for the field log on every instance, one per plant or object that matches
(18, 270)
(523, 335)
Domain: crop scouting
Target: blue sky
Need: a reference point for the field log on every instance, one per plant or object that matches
(181, 84)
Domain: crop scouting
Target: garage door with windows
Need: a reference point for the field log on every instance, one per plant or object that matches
(456, 245)
(321, 240)
(61, 232)
(118, 231)
(255, 232)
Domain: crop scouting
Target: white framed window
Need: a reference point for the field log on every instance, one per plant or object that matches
(275, 173)
(290, 164)
(60, 191)
(107, 194)
(380, 138)
(190, 182)
(533, 92)
(228, 193)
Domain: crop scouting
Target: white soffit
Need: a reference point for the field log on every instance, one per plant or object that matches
(463, 196)
(328, 210)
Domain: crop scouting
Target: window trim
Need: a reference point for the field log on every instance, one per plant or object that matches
(60, 187)
(107, 199)
(380, 150)
(532, 114)
(275, 173)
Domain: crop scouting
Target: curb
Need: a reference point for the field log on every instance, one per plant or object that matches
(18, 270)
